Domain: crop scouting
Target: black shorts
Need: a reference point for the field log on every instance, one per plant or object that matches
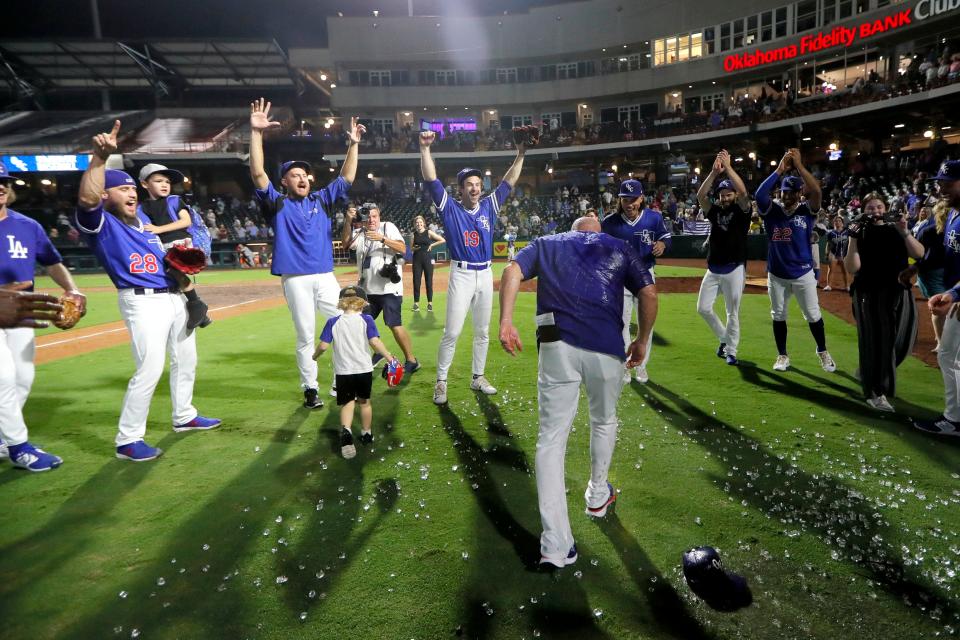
(354, 386)
(389, 304)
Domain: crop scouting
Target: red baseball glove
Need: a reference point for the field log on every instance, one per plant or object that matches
(528, 135)
(186, 260)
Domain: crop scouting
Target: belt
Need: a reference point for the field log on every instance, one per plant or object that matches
(547, 333)
(472, 266)
(141, 291)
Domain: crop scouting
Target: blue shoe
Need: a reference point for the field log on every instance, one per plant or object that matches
(560, 564)
(199, 423)
(722, 350)
(732, 360)
(26, 456)
(410, 367)
(599, 512)
(138, 451)
(375, 358)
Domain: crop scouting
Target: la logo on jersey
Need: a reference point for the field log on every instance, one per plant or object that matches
(17, 251)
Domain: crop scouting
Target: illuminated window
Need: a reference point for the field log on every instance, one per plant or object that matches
(671, 50)
(696, 45)
(684, 51)
(659, 52)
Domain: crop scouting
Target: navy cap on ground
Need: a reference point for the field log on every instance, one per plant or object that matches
(630, 189)
(720, 589)
(949, 171)
(293, 164)
(467, 172)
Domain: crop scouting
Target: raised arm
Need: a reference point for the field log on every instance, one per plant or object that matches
(743, 198)
(767, 186)
(91, 184)
(348, 170)
(427, 166)
(513, 173)
(703, 193)
(812, 190)
(259, 122)
(347, 236)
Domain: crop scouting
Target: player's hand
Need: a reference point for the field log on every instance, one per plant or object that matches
(786, 162)
(658, 248)
(260, 116)
(21, 309)
(636, 352)
(795, 158)
(510, 339)
(906, 276)
(724, 158)
(941, 304)
(319, 351)
(356, 131)
(105, 144)
(80, 299)
(152, 228)
(427, 138)
(376, 236)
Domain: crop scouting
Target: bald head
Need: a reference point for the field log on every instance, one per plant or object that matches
(586, 224)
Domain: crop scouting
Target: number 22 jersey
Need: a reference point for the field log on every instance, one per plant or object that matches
(789, 255)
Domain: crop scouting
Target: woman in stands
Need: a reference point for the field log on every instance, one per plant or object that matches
(424, 240)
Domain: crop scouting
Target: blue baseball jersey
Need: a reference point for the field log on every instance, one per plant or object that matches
(131, 256)
(302, 241)
(581, 278)
(641, 234)
(789, 254)
(23, 243)
(951, 250)
(469, 232)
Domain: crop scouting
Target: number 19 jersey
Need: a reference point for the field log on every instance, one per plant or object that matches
(469, 232)
(131, 256)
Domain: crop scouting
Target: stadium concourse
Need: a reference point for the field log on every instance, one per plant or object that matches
(738, 478)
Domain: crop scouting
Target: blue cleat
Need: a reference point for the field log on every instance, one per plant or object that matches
(138, 451)
(199, 423)
(732, 360)
(722, 350)
(27, 456)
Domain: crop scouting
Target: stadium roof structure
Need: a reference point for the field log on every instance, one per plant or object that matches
(29, 66)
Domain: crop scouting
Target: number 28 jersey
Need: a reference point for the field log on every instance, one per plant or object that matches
(469, 232)
(131, 256)
(789, 255)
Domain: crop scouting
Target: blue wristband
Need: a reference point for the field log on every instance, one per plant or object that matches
(954, 294)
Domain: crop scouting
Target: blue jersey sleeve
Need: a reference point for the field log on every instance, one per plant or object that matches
(327, 334)
(371, 327)
(499, 196)
(46, 253)
(89, 221)
(437, 193)
(528, 259)
(268, 199)
(333, 192)
(763, 193)
(637, 276)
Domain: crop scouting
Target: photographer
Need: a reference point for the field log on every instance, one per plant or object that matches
(379, 246)
(876, 255)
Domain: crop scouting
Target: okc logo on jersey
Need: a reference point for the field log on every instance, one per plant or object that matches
(484, 222)
(17, 251)
(799, 221)
(646, 236)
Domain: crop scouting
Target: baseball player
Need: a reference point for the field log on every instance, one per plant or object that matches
(151, 307)
(645, 231)
(578, 341)
(23, 243)
(946, 304)
(468, 226)
(169, 220)
(789, 223)
(303, 244)
(511, 246)
(729, 216)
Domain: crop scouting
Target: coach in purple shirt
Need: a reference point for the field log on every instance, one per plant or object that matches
(581, 275)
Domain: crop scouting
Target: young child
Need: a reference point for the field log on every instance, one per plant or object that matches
(169, 219)
(352, 332)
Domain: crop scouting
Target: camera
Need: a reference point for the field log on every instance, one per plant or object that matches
(862, 220)
(390, 271)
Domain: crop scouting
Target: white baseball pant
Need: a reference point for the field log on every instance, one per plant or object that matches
(949, 360)
(562, 369)
(804, 287)
(307, 294)
(157, 324)
(730, 286)
(629, 306)
(468, 290)
(17, 348)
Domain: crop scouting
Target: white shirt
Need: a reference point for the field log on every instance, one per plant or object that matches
(350, 335)
(379, 254)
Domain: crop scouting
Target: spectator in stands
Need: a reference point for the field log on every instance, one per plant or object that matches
(54, 234)
(245, 256)
(876, 256)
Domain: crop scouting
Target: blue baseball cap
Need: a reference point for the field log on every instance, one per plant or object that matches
(293, 164)
(4, 175)
(115, 178)
(467, 172)
(949, 171)
(631, 189)
(791, 183)
(724, 184)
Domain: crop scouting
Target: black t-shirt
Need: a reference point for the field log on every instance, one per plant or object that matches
(883, 255)
(156, 210)
(728, 235)
(421, 240)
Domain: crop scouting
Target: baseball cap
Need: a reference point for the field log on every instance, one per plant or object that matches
(175, 176)
(949, 171)
(466, 173)
(631, 189)
(791, 183)
(293, 164)
(353, 291)
(116, 178)
(4, 175)
(720, 589)
(724, 184)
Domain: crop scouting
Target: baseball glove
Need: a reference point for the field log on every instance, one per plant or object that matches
(528, 135)
(186, 259)
(74, 308)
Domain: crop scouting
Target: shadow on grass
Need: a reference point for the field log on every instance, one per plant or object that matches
(422, 323)
(816, 504)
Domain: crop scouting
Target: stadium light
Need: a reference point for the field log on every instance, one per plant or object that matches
(675, 94)
(947, 128)
(310, 178)
(491, 111)
(899, 126)
(376, 13)
(333, 86)
(487, 172)
(773, 163)
(326, 125)
(806, 139)
(550, 170)
(332, 169)
(21, 183)
(46, 182)
(406, 113)
(614, 168)
(752, 155)
(928, 133)
(369, 176)
(833, 146)
(323, 77)
(696, 170)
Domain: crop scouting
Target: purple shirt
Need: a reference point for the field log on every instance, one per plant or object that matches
(581, 278)
(641, 234)
(23, 243)
(469, 232)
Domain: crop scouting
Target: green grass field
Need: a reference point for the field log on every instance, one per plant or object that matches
(844, 521)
